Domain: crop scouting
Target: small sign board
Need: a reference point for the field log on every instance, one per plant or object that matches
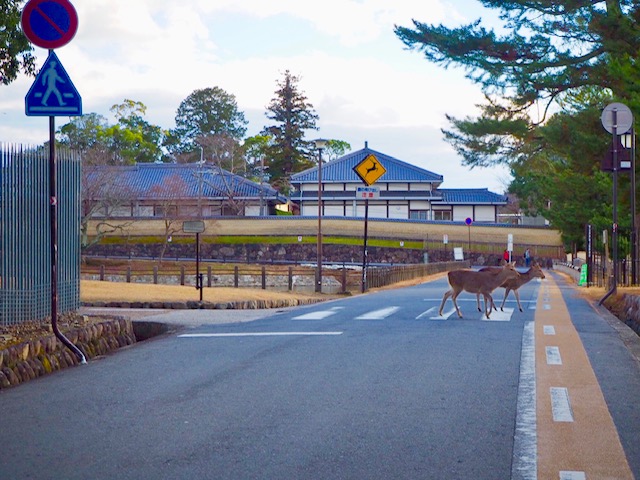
(193, 226)
(367, 192)
(458, 254)
(370, 170)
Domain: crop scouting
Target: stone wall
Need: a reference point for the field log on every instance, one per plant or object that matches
(630, 311)
(43, 355)
(258, 253)
(303, 253)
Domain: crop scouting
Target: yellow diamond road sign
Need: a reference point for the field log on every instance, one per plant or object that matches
(370, 169)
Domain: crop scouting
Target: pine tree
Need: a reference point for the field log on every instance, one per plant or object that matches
(549, 49)
(288, 151)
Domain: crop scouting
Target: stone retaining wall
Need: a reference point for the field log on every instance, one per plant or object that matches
(26, 361)
(630, 312)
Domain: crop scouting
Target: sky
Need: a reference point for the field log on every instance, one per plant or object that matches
(363, 83)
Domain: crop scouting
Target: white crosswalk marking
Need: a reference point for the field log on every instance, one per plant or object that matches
(499, 315)
(444, 316)
(319, 315)
(378, 314)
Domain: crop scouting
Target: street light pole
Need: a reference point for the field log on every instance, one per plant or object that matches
(320, 145)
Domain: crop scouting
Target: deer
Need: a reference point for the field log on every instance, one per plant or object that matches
(534, 272)
(477, 282)
(373, 168)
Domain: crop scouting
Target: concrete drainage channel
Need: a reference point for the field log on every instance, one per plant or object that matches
(144, 330)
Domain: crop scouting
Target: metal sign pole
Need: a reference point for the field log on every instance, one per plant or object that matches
(53, 229)
(364, 249)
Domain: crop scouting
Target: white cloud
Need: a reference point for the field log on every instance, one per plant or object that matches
(362, 82)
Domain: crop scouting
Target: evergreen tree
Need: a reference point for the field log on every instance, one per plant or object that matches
(288, 151)
(15, 50)
(205, 112)
(548, 50)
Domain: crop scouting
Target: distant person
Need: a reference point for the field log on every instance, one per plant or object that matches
(506, 256)
(527, 257)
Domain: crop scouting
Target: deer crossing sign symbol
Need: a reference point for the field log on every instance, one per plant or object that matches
(370, 170)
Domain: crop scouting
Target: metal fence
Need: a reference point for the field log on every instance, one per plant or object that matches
(25, 246)
(599, 259)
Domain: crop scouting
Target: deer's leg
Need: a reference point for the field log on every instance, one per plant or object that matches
(455, 304)
(506, 293)
(446, 295)
(488, 300)
(478, 301)
(515, 292)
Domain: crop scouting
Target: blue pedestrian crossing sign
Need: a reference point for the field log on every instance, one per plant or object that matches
(53, 93)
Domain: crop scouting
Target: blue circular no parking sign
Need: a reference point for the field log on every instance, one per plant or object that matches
(49, 23)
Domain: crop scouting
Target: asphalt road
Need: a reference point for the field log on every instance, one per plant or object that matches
(369, 387)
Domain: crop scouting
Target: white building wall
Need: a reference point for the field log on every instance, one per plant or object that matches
(485, 213)
(253, 210)
(333, 210)
(309, 210)
(399, 211)
(462, 212)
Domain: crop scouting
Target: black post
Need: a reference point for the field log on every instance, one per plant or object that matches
(198, 276)
(364, 250)
(634, 233)
(53, 231)
(614, 232)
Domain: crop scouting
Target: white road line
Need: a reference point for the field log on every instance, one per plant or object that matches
(431, 311)
(549, 330)
(561, 405)
(553, 356)
(499, 316)
(378, 314)
(320, 315)
(256, 334)
(525, 450)
(569, 475)
(445, 315)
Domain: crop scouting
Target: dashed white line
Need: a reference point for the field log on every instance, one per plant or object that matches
(570, 475)
(553, 356)
(549, 330)
(561, 405)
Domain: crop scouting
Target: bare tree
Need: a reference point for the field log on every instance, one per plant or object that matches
(167, 196)
(102, 198)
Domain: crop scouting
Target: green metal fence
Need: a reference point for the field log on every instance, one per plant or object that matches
(25, 246)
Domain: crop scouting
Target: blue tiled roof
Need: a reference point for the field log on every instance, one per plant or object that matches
(179, 181)
(452, 196)
(341, 170)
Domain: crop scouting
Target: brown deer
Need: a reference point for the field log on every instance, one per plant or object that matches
(514, 284)
(477, 282)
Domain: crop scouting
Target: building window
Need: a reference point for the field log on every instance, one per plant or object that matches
(419, 214)
(444, 215)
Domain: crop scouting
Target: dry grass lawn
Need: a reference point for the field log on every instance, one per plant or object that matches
(97, 291)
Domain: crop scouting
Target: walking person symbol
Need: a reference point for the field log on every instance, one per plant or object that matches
(51, 78)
